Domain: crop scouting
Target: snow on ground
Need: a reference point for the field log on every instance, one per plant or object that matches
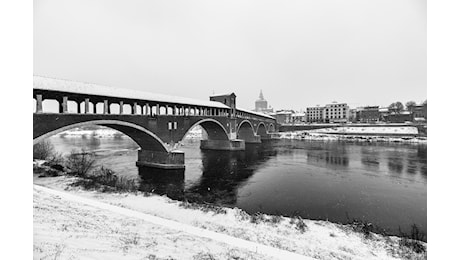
(394, 130)
(320, 239)
(359, 134)
(64, 229)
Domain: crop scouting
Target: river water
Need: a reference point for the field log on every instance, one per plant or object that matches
(385, 184)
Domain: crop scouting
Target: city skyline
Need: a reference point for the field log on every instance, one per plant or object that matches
(302, 54)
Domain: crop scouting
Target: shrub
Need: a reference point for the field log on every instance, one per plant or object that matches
(298, 223)
(104, 176)
(106, 179)
(203, 207)
(413, 241)
(203, 256)
(257, 218)
(365, 227)
(275, 219)
(43, 150)
(80, 163)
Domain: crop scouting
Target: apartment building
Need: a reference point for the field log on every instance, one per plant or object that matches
(314, 114)
(336, 113)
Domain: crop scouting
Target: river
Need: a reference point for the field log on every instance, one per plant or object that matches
(382, 183)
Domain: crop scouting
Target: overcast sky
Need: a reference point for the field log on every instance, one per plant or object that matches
(300, 53)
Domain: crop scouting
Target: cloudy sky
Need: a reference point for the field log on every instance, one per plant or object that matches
(300, 53)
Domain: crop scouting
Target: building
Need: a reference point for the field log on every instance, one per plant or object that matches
(314, 114)
(331, 113)
(384, 112)
(283, 116)
(420, 112)
(298, 118)
(336, 113)
(262, 105)
(368, 114)
(353, 116)
(402, 117)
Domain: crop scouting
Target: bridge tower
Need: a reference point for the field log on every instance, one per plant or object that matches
(230, 101)
(233, 143)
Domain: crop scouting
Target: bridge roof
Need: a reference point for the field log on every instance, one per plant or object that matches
(60, 85)
(255, 113)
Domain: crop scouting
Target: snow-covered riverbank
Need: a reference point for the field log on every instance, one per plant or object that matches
(369, 130)
(74, 230)
(355, 134)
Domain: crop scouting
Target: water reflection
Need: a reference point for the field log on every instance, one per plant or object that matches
(223, 172)
(162, 182)
(395, 164)
(323, 154)
(370, 158)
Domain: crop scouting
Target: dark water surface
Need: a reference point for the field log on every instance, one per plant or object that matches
(385, 184)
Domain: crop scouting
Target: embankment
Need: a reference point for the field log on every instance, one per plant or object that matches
(73, 230)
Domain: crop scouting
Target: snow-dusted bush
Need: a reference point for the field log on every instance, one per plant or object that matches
(80, 163)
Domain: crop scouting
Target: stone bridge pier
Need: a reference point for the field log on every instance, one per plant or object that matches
(160, 159)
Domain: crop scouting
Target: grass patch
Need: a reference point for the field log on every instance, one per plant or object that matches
(204, 256)
(364, 227)
(205, 207)
(106, 180)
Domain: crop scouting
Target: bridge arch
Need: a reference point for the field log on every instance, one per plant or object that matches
(143, 137)
(214, 129)
(262, 129)
(245, 124)
(245, 131)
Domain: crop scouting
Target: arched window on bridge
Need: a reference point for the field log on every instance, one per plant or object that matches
(99, 108)
(145, 110)
(153, 110)
(138, 109)
(72, 106)
(114, 108)
(50, 106)
(34, 105)
(127, 109)
(169, 111)
(162, 110)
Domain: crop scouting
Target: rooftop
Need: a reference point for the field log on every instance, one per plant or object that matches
(255, 113)
(224, 94)
(298, 114)
(51, 84)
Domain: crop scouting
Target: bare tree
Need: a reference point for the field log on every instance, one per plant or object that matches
(410, 105)
(80, 163)
(43, 150)
(396, 107)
